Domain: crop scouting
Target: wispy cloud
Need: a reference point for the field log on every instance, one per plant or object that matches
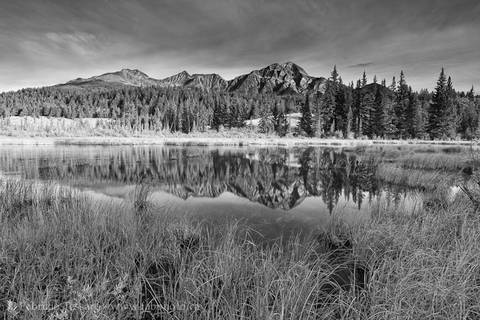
(77, 43)
(360, 65)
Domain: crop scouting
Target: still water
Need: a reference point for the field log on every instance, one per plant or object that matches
(275, 190)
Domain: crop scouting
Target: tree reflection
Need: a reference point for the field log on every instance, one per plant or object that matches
(277, 178)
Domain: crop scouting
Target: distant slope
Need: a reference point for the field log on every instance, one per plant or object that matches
(124, 77)
(202, 81)
(176, 80)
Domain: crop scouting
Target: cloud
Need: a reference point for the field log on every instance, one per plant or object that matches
(228, 36)
(78, 43)
(360, 65)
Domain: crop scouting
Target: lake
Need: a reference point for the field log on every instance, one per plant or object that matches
(274, 190)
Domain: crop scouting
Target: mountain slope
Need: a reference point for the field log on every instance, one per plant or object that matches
(285, 78)
(176, 80)
(124, 77)
(202, 81)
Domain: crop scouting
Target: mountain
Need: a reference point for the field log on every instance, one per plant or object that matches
(207, 81)
(176, 80)
(285, 78)
(124, 77)
(202, 81)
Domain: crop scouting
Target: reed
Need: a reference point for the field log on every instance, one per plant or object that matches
(65, 255)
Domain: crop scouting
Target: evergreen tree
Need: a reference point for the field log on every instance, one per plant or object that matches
(401, 106)
(438, 115)
(415, 117)
(393, 86)
(451, 109)
(217, 120)
(364, 79)
(280, 122)
(349, 108)
(266, 124)
(471, 94)
(378, 125)
(357, 109)
(305, 124)
(367, 112)
(341, 108)
(389, 129)
(328, 106)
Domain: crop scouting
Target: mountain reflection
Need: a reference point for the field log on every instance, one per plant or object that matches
(276, 178)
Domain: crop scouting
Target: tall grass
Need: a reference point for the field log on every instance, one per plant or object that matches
(64, 255)
(414, 178)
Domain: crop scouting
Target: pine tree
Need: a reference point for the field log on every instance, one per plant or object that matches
(415, 117)
(334, 75)
(185, 120)
(471, 94)
(341, 108)
(305, 124)
(452, 113)
(367, 110)
(400, 106)
(265, 125)
(282, 125)
(393, 86)
(364, 79)
(217, 120)
(438, 125)
(378, 125)
(280, 122)
(389, 129)
(349, 110)
(328, 106)
(357, 111)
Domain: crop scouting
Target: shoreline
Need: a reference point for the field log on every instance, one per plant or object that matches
(222, 141)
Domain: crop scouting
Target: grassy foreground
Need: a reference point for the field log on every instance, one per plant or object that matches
(64, 255)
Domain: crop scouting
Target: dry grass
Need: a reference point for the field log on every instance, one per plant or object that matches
(67, 256)
(43, 130)
(416, 179)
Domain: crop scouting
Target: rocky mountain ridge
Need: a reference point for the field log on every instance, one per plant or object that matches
(285, 78)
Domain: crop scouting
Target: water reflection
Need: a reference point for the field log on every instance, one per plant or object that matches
(278, 183)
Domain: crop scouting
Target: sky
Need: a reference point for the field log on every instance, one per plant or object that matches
(46, 42)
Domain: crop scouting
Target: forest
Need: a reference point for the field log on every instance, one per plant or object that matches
(354, 110)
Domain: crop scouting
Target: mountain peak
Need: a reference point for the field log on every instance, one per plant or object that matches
(280, 78)
(133, 74)
(128, 77)
(133, 71)
(289, 64)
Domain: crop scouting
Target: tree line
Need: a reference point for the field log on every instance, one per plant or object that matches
(395, 111)
(374, 110)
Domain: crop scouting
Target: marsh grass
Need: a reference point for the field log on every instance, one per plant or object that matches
(64, 255)
(415, 178)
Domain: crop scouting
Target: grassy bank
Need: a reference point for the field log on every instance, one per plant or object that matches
(90, 131)
(234, 138)
(64, 255)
